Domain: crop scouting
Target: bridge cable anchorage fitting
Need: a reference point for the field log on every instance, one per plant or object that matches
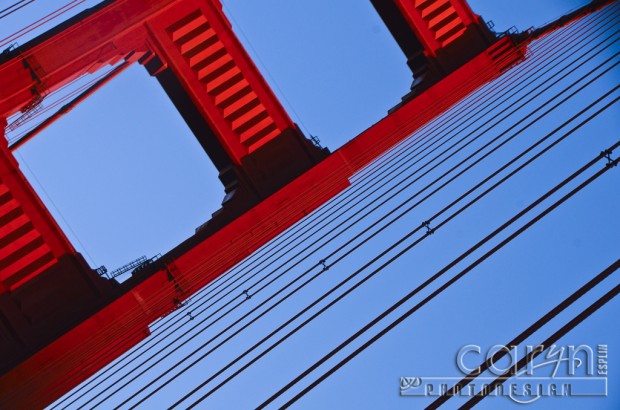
(427, 225)
(247, 294)
(607, 155)
(323, 263)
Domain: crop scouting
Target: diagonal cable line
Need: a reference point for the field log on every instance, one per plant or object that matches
(370, 275)
(544, 346)
(437, 292)
(454, 390)
(471, 190)
(15, 7)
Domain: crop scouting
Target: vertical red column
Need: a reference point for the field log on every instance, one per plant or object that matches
(196, 41)
(437, 23)
(437, 36)
(30, 239)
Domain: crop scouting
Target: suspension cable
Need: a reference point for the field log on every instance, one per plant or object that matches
(442, 288)
(497, 356)
(15, 7)
(543, 346)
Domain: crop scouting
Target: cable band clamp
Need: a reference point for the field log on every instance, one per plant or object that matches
(427, 225)
(607, 155)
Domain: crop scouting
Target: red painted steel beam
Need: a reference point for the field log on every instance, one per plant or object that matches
(104, 37)
(436, 36)
(197, 42)
(192, 37)
(30, 239)
(69, 106)
(163, 291)
(438, 23)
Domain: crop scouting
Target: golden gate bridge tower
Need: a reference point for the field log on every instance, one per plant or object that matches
(53, 303)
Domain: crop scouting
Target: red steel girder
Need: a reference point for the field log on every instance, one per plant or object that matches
(192, 37)
(438, 23)
(180, 35)
(30, 239)
(109, 333)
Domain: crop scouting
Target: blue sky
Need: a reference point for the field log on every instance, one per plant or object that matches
(125, 178)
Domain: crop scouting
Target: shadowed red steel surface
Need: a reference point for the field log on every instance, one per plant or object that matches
(190, 47)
